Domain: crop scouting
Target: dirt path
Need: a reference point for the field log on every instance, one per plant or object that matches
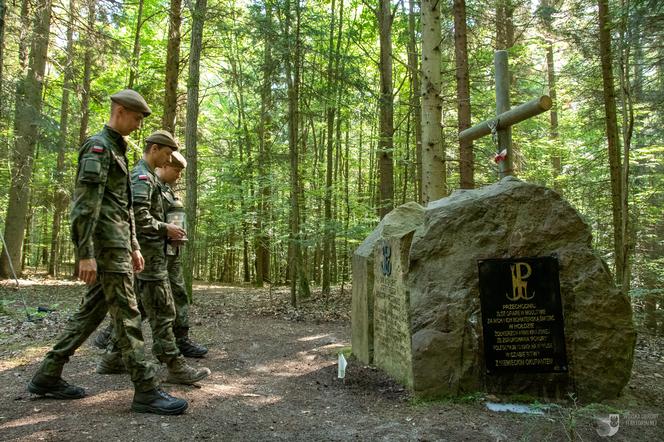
(274, 377)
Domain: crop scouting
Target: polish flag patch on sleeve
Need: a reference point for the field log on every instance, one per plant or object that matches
(143, 177)
(97, 149)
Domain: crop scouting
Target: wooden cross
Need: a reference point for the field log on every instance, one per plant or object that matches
(505, 118)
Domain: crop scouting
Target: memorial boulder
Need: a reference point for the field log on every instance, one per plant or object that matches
(495, 289)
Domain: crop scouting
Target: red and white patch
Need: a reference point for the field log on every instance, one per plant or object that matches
(143, 177)
(97, 149)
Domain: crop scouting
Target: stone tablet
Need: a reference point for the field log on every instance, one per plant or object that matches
(522, 317)
(397, 223)
(392, 337)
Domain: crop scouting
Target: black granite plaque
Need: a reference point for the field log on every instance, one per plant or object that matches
(522, 317)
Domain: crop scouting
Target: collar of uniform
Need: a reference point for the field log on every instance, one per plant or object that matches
(144, 164)
(117, 138)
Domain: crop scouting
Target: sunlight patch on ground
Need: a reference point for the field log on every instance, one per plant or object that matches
(262, 400)
(28, 420)
(106, 396)
(314, 338)
(234, 389)
(11, 283)
(330, 348)
(292, 368)
(239, 391)
(24, 357)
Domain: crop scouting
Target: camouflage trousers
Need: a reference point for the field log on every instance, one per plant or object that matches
(112, 293)
(180, 298)
(157, 302)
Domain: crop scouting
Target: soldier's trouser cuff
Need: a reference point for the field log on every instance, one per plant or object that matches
(180, 332)
(90, 314)
(141, 387)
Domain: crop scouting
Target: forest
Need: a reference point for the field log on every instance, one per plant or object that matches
(303, 121)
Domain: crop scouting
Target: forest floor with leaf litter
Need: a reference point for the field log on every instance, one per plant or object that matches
(274, 377)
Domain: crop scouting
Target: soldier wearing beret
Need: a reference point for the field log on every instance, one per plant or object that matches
(168, 176)
(103, 232)
(152, 283)
(173, 208)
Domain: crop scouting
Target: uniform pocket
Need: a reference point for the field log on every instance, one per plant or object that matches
(91, 169)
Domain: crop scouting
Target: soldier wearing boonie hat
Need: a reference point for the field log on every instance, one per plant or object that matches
(152, 286)
(103, 232)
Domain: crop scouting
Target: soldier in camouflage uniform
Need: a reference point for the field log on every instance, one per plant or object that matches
(152, 283)
(108, 252)
(168, 176)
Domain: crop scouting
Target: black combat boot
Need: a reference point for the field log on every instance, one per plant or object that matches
(103, 337)
(54, 386)
(187, 347)
(158, 401)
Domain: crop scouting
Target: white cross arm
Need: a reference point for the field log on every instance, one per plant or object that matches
(507, 119)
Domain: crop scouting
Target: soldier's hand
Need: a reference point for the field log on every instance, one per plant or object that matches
(137, 261)
(87, 270)
(175, 232)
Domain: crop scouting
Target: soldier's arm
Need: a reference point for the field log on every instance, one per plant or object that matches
(93, 164)
(132, 228)
(146, 224)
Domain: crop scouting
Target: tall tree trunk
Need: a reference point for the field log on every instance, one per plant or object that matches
(23, 46)
(347, 204)
(136, 53)
(433, 163)
(504, 24)
(191, 138)
(466, 156)
(3, 10)
(612, 136)
(29, 102)
(245, 139)
(85, 88)
(331, 108)
(242, 141)
(627, 106)
(60, 192)
(298, 279)
(87, 74)
(386, 143)
(264, 135)
(546, 10)
(172, 65)
(553, 115)
(415, 100)
(637, 42)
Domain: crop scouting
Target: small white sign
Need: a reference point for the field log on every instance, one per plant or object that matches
(342, 366)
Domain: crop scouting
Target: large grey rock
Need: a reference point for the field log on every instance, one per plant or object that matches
(440, 280)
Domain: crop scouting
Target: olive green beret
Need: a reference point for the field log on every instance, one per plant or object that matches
(177, 160)
(163, 138)
(132, 100)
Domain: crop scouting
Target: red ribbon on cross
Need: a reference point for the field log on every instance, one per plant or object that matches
(502, 156)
